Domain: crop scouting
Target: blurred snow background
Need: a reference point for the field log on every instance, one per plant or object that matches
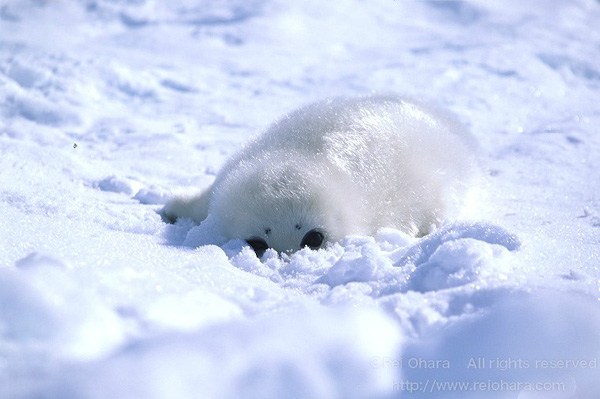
(108, 107)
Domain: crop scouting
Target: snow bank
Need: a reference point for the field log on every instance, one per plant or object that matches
(280, 355)
(45, 308)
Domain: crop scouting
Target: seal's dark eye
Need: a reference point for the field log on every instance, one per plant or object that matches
(313, 239)
(258, 245)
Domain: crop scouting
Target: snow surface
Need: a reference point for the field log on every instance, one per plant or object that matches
(109, 107)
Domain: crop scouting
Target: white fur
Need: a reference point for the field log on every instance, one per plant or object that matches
(344, 166)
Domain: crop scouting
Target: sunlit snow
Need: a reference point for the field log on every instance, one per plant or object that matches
(108, 108)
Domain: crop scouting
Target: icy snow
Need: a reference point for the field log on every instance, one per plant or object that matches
(109, 107)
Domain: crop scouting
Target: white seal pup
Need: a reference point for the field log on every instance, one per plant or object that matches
(337, 167)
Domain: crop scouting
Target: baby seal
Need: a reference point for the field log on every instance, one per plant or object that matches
(338, 167)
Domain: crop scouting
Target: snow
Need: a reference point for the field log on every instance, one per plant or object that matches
(107, 108)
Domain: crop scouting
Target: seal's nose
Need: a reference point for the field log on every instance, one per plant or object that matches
(258, 245)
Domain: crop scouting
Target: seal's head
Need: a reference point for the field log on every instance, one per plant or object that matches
(286, 203)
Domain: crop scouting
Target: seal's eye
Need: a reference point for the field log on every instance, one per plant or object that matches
(313, 239)
(258, 245)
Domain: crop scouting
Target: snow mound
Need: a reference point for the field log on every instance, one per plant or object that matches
(119, 185)
(152, 195)
(477, 231)
(456, 263)
(329, 356)
(458, 254)
(47, 310)
(542, 344)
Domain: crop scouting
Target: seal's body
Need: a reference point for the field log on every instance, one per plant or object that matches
(338, 167)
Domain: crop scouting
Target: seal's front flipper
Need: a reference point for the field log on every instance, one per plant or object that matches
(194, 207)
